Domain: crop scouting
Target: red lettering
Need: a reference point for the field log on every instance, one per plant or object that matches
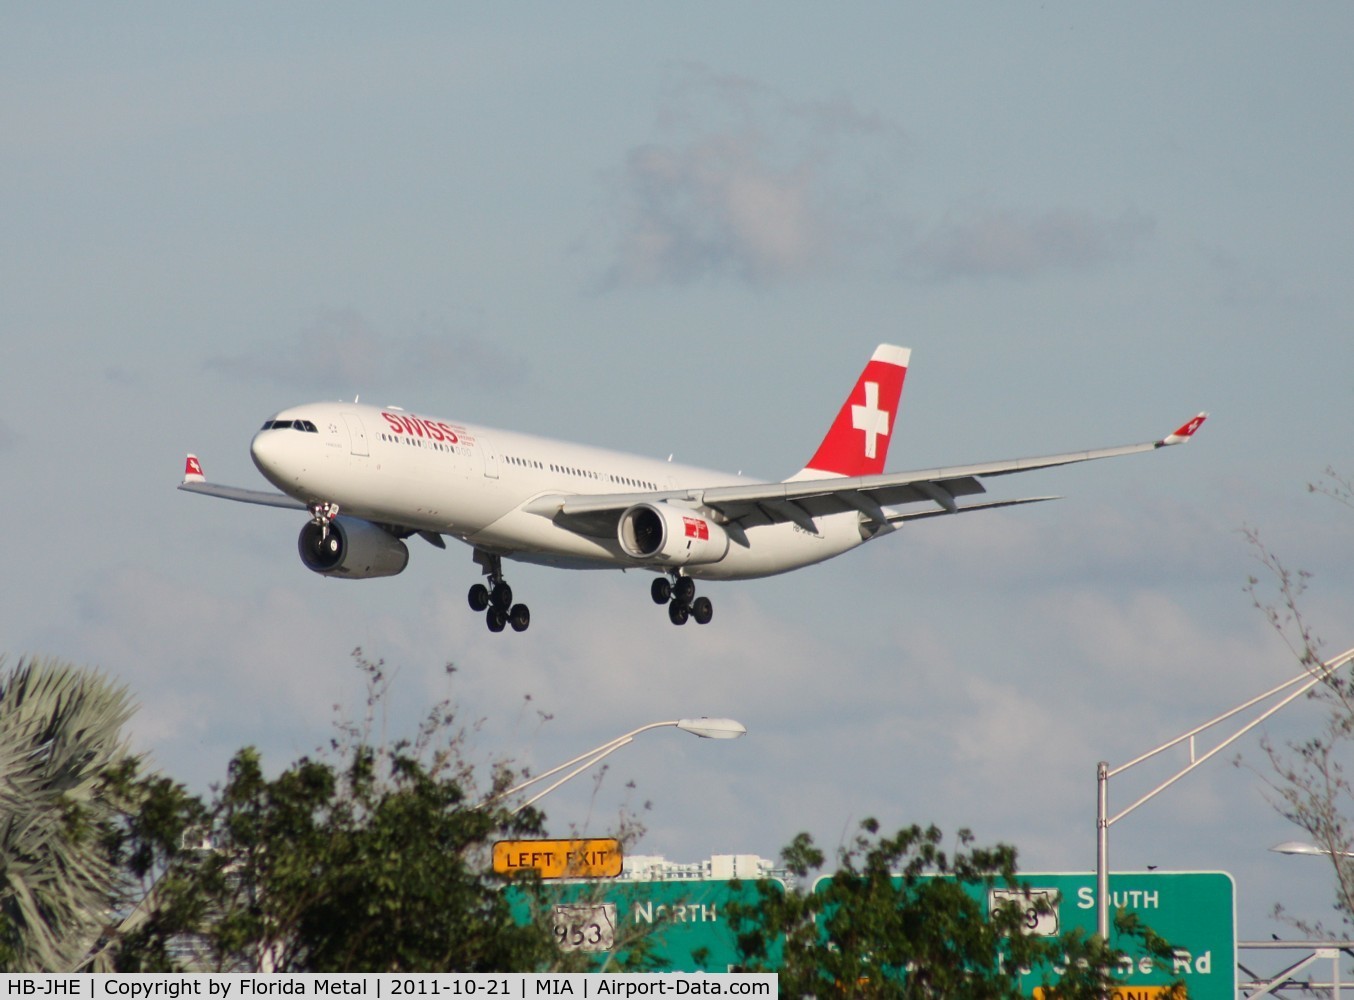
(435, 429)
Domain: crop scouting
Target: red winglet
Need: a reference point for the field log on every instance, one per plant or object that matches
(192, 471)
(1185, 431)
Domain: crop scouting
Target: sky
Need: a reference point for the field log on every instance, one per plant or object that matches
(681, 230)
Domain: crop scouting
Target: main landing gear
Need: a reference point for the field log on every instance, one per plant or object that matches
(679, 594)
(495, 600)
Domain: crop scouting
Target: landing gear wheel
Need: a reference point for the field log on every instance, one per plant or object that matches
(678, 613)
(683, 589)
(702, 610)
(661, 590)
(494, 596)
(478, 597)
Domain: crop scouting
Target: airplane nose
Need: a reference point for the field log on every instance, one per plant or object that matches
(267, 452)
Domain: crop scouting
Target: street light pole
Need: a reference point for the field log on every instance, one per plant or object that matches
(1103, 821)
(710, 729)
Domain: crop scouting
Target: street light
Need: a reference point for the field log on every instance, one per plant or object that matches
(709, 729)
(1300, 847)
(1103, 821)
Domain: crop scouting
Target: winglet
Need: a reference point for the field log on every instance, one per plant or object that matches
(1183, 433)
(192, 471)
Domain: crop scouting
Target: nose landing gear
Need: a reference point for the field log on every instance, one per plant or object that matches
(495, 600)
(322, 514)
(679, 594)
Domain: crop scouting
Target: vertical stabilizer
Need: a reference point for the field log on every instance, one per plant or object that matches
(858, 442)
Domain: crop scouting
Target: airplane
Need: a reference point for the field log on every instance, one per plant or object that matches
(372, 476)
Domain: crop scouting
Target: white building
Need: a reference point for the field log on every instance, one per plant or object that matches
(655, 868)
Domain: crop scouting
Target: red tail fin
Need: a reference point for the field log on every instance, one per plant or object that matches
(858, 441)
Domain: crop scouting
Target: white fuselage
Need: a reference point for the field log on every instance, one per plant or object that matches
(389, 466)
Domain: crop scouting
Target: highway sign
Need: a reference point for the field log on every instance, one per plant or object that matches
(681, 924)
(559, 858)
(584, 926)
(1194, 911)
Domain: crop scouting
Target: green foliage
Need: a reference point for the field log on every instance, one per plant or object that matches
(60, 730)
(885, 925)
(368, 858)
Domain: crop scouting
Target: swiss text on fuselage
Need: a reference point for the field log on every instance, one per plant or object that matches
(409, 424)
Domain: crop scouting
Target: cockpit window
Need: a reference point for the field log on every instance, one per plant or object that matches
(283, 425)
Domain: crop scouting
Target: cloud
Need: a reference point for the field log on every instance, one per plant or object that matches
(195, 672)
(7, 437)
(1004, 243)
(747, 184)
(1241, 284)
(342, 353)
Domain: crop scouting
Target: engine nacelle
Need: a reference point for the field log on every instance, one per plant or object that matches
(671, 536)
(353, 549)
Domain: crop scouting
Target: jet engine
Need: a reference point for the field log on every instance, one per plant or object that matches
(665, 535)
(352, 550)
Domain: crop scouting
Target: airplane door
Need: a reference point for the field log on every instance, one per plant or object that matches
(490, 458)
(357, 434)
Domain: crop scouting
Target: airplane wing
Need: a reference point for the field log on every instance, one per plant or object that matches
(800, 501)
(195, 482)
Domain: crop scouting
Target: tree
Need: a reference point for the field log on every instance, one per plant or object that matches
(1310, 786)
(896, 920)
(60, 731)
(367, 857)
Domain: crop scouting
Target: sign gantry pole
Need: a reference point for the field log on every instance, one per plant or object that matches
(1304, 682)
(1102, 850)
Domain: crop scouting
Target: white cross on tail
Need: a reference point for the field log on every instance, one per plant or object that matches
(870, 419)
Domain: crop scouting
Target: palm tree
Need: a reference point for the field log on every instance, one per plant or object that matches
(60, 729)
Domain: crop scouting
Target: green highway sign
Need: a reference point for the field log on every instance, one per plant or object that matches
(1194, 911)
(682, 921)
(684, 925)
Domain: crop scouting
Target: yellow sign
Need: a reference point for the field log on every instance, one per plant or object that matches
(559, 858)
